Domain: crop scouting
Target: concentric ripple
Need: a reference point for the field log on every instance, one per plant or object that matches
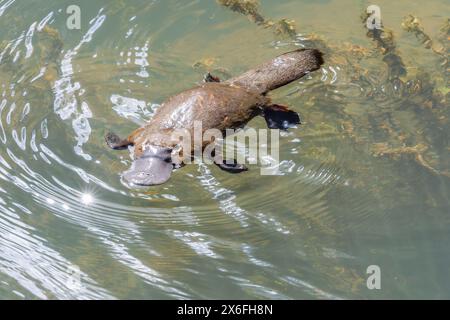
(70, 229)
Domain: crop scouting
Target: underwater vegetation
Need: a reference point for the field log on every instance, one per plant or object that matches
(250, 8)
(365, 180)
(422, 95)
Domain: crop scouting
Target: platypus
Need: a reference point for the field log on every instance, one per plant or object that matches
(221, 105)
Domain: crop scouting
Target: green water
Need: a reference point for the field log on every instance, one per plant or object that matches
(366, 178)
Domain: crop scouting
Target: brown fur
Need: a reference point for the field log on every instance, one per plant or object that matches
(224, 105)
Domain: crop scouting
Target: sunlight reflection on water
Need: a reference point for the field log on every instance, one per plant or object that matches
(343, 199)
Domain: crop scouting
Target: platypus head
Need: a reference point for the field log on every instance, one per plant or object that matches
(154, 166)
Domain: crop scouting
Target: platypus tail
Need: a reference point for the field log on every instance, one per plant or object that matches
(280, 71)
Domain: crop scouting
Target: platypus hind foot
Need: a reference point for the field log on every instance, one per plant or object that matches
(115, 142)
(280, 117)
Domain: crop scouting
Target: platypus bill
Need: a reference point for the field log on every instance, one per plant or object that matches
(220, 105)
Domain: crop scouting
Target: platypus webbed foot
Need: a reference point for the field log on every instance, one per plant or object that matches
(280, 117)
(210, 78)
(115, 142)
(231, 168)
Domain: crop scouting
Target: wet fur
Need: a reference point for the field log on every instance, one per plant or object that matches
(217, 105)
(224, 105)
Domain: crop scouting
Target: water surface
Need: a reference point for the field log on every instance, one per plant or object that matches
(365, 178)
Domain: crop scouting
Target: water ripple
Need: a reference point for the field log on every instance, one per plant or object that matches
(296, 234)
(66, 103)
